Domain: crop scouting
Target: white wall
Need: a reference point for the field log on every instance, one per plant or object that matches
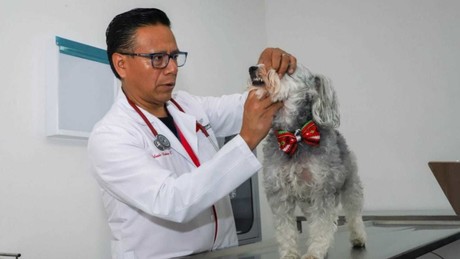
(50, 205)
(394, 64)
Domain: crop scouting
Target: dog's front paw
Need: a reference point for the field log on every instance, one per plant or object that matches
(358, 243)
(358, 234)
(309, 257)
(358, 238)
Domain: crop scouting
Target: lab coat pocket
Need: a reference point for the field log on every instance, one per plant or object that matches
(207, 132)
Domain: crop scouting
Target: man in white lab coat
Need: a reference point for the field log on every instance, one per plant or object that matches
(164, 183)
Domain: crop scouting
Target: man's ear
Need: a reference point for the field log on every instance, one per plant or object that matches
(119, 62)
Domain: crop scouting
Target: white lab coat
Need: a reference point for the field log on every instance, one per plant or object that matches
(159, 203)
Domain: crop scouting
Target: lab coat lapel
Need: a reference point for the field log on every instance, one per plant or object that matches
(187, 125)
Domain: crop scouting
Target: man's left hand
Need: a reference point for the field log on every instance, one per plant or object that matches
(279, 60)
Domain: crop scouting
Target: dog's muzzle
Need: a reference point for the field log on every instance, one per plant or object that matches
(255, 76)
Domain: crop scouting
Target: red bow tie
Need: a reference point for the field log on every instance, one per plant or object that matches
(287, 141)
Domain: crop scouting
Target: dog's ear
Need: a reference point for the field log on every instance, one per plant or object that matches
(325, 108)
(303, 73)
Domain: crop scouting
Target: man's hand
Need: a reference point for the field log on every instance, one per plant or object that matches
(257, 118)
(279, 60)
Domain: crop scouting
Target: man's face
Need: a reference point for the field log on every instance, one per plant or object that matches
(148, 86)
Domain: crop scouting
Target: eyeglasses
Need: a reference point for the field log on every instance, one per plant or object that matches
(161, 60)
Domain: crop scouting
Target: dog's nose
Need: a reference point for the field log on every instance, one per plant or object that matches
(252, 70)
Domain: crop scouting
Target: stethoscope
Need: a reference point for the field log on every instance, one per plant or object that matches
(160, 141)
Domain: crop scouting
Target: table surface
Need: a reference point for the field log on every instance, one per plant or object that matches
(390, 237)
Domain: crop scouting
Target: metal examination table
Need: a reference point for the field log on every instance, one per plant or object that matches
(424, 237)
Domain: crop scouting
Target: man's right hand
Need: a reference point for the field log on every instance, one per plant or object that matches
(257, 118)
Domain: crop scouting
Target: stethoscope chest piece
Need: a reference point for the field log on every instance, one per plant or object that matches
(161, 142)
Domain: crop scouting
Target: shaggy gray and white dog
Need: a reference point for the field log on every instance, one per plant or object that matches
(307, 163)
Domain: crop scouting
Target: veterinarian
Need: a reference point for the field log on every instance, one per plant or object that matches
(164, 182)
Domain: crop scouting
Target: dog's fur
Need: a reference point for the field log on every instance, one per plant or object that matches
(315, 178)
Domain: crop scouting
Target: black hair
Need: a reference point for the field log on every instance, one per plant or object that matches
(121, 30)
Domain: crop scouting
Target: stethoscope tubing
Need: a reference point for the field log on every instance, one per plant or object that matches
(199, 126)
